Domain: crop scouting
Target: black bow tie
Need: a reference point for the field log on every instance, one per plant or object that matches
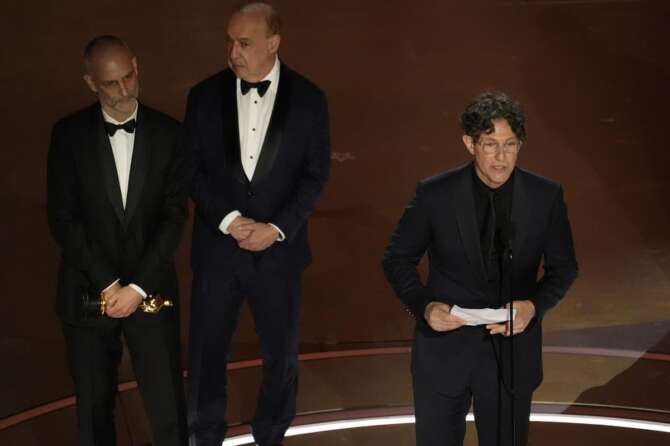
(127, 126)
(261, 87)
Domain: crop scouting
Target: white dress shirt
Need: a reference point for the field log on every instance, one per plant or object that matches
(254, 113)
(122, 144)
(253, 118)
(122, 147)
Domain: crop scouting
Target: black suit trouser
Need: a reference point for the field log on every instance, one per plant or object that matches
(440, 418)
(274, 300)
(94, 354)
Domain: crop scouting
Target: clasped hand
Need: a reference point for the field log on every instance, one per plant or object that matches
(251, 235)
(121, 301)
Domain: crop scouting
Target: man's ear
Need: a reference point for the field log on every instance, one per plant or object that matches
(89, 81)
(469, 144)
(273, 44)
(134, 62)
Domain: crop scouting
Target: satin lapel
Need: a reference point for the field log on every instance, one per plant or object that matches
(464, 201)
(138, 164)
(107, 164)
(231, 129)
(520, 214)
(273, 136)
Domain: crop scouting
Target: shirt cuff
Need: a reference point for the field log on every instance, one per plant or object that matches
(139, 290)
(227, 220)
(111, 285)
(281, 236)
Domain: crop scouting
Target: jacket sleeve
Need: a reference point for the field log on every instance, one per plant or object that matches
(313, 178)
(211, 204)
(64, 213)
(174, 212)
(560, 264)
(408, 244)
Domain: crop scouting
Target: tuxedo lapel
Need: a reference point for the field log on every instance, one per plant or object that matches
(231, 129)
(464, 203)
(273, 136)
(520, 214)
(138, 164)
(107, 163)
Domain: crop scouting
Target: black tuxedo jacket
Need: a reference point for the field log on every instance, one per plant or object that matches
(99, 240)
(290, 175)
(441, 221)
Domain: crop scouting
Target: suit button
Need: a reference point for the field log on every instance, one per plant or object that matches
(251, 194)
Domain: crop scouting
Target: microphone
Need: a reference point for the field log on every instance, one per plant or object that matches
(507, 232)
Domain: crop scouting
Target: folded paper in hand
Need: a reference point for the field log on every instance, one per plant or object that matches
(481, 316)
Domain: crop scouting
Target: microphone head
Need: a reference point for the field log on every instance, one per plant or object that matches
(507, 232)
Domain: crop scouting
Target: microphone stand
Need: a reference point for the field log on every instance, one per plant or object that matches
(505, 240)
(506, 283)
(505, 295)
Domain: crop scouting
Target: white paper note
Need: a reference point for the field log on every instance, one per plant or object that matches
(481, 316)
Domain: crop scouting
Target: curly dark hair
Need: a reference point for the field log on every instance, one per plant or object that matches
(478, 117)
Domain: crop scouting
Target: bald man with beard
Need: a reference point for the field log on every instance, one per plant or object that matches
(117, 207)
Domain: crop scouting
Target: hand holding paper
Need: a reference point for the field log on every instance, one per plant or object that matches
(439, 318)
(524, 313)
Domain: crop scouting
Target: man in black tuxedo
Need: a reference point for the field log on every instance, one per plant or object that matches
(259, 140)
(117, 192)
(487, 227)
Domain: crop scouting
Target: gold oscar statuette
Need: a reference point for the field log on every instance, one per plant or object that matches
(153, 303)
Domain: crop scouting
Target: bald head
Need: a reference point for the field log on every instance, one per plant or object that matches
(263, 9)
(104, 46)
(111, 73)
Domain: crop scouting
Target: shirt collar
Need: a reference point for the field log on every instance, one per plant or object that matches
(272, 76)
(484, 189)
(114, 121)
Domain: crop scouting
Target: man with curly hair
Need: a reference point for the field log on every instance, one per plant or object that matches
(487, 226)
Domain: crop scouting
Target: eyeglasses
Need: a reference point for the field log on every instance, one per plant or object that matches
(490, 147)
